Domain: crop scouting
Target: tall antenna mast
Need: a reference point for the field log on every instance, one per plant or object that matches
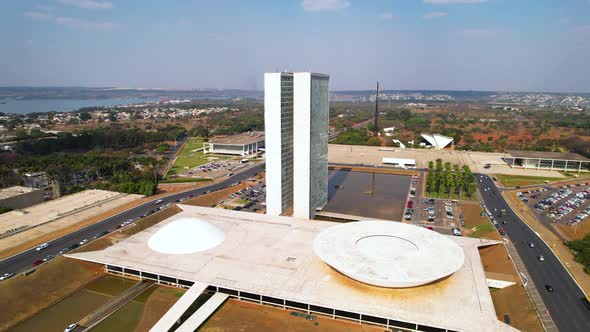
(376, 127)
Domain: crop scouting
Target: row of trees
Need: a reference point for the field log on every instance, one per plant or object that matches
(450, 180)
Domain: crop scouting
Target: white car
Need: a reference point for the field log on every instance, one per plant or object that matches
(71, 327)
(83, 242)
(541, 258)
(42, 246)
(532, 245)
(5, 276)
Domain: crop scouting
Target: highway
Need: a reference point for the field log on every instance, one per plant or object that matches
(24, 260)
(565, 303)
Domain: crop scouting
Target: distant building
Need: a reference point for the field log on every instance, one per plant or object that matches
(241, 145)
(296, 125)
(435, 141)
(571, 162)
(20, 197)
(389, 131)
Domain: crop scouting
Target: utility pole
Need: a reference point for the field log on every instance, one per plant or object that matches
(376, 123)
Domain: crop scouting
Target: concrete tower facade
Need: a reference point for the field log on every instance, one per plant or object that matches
(296, 128)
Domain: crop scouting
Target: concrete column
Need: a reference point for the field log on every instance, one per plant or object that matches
(565, 169)
(552, 163)
(580, 168)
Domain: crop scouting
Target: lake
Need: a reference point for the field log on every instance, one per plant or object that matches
(63, 105)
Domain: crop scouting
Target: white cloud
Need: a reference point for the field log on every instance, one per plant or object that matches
(39, 16)
(76, 23)
(87, 4)
(319, 5)
(71, 22)
(433, 15)
(449, 2)
(478, 33)
(386, 16)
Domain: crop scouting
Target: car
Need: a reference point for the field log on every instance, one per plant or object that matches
(37, 262)
(159, 201)
(456, 232)
(408, 216)
(42, 246)
(532, 245)
(83, 242)
(71, 327)
(541, 258)
(6, 276)
(47, 258)
(549, 288)
(63, 251)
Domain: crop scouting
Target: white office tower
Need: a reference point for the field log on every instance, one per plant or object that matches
(296, 110)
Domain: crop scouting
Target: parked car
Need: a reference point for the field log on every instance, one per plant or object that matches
(83, 242)
(37, 262)
(47, 258)
(541, 258)
(549, 288)
(532, 245)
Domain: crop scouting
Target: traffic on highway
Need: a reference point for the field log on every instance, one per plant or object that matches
(561, 295)
(44, 252)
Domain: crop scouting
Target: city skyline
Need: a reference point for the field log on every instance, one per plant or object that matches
(408, 45)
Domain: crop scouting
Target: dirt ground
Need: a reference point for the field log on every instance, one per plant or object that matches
(23, 296)
(511, 302)
(156, 306)
(234, 316)
(477, 225)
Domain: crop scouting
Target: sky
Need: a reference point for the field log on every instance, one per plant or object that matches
(496, 45)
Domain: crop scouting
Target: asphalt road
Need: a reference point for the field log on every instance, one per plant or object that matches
(565, 303)
(24, 260)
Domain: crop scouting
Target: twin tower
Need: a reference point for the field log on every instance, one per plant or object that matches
(296, 108)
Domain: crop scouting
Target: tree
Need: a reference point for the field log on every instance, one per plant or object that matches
(85, 116)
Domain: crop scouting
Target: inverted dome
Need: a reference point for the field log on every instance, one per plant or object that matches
(186, 236)
(388, 253)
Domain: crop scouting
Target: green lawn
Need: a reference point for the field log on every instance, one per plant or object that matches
(482, 229)
(519, 180)
(190, 158)
(464, 196)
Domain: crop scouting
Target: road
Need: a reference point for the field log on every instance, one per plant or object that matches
(565, 303)
(23, 260)
(333, 135)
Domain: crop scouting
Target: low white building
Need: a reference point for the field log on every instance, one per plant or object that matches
(241, 144)
(400, 162)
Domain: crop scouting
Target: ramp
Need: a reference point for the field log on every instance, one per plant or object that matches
(174, 314)
(201, 315)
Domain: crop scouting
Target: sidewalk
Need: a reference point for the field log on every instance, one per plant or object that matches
(555, 243)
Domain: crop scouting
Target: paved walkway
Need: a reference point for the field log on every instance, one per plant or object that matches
(102, 313)
(179, 307)
(201, 315)
(553, 241)
(532, 291)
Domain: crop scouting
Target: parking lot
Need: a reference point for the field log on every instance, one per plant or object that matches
(249, 199)
(568, 204)
(216, 169)
(440, 213)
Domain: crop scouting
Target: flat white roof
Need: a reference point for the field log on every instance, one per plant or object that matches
(273, 256)
(15, 191)
(399, 161)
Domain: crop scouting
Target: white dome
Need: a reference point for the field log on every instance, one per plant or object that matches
(186, 236)
(388, 253)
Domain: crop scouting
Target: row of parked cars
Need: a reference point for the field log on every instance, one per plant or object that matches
(551, 199)
(570, 205)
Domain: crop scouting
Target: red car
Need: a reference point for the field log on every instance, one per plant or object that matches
(37, 262)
